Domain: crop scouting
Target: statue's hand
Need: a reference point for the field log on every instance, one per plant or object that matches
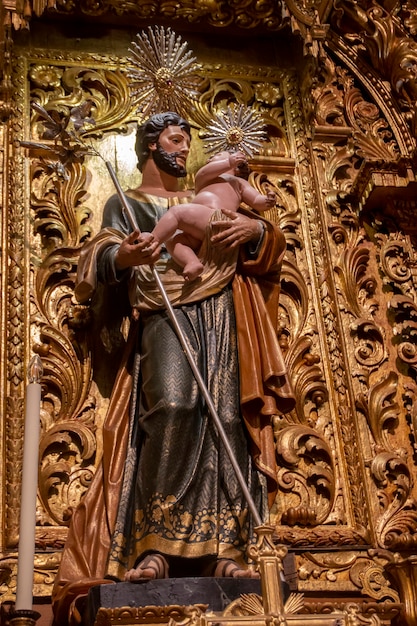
(236, 231)
(236, 158)
(137, 249)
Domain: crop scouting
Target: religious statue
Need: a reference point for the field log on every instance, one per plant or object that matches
(165, 500)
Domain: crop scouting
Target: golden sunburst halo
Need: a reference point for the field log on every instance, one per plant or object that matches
(236, 128)
(163, 73)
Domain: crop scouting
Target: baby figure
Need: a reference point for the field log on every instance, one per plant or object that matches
(217, 187)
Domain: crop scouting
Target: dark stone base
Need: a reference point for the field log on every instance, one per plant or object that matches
(217, 593)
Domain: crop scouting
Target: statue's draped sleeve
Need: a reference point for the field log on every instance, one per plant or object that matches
(265, 389)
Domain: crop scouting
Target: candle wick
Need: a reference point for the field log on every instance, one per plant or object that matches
(35, 370)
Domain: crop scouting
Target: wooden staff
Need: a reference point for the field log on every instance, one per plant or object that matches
(202, 385)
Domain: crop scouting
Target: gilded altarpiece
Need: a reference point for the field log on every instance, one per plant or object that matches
(340, 159)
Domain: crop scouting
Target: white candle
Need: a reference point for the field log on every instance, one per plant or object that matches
(26, 557)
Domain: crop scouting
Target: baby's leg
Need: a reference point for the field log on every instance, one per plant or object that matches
(190, 218)
(181, 247)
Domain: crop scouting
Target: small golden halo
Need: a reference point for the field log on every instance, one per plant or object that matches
(235, 128)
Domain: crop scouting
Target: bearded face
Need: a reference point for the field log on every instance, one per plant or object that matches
(167, 162)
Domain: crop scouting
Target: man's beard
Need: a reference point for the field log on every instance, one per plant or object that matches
(167, 162)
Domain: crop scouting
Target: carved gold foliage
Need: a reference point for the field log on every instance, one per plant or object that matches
(287, 214)
(248, 14)
(410, 402)
(398, 521)
(322, 537)
(405, 329)
(67, 453)
(392, 55)
(395, 261)
(59, 88)
(373, 137)
(296, 329)
(170, 615)
(354, 471)
(306, 472)
(339, 103)
(339, 171)
(349, 570)
(398, 511)
(327, 94)
(378, 40)
(14, 294)
(307, 376)
(68, 447)
(357, 285)
(13, 432)
(381, 410)
(379, 36)
(357, 282)
(369, 343)
(60, 214)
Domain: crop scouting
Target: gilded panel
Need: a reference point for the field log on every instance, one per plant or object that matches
(344, 477)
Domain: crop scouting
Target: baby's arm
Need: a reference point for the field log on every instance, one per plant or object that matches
(212, 169)
(256, 200)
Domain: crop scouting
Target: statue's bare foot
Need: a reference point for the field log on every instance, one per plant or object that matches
(151, 567)
(227, 568)
(193, 270)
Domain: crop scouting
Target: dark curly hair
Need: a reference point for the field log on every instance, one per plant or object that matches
(150, 130)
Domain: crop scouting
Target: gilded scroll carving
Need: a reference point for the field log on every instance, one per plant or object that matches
(360, 290)
(387, 48)
(399, 517)
(15, 349)
(405, 327)
(61, 88)
(381, 409)
(244, 15)
(170, 615)
(68, 450)
(360, 572)
(314, 386)
(357, 287)
(307, 474)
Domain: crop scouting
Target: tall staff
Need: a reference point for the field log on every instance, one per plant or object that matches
(190, 358)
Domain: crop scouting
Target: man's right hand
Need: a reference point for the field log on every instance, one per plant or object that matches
(137, 249)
